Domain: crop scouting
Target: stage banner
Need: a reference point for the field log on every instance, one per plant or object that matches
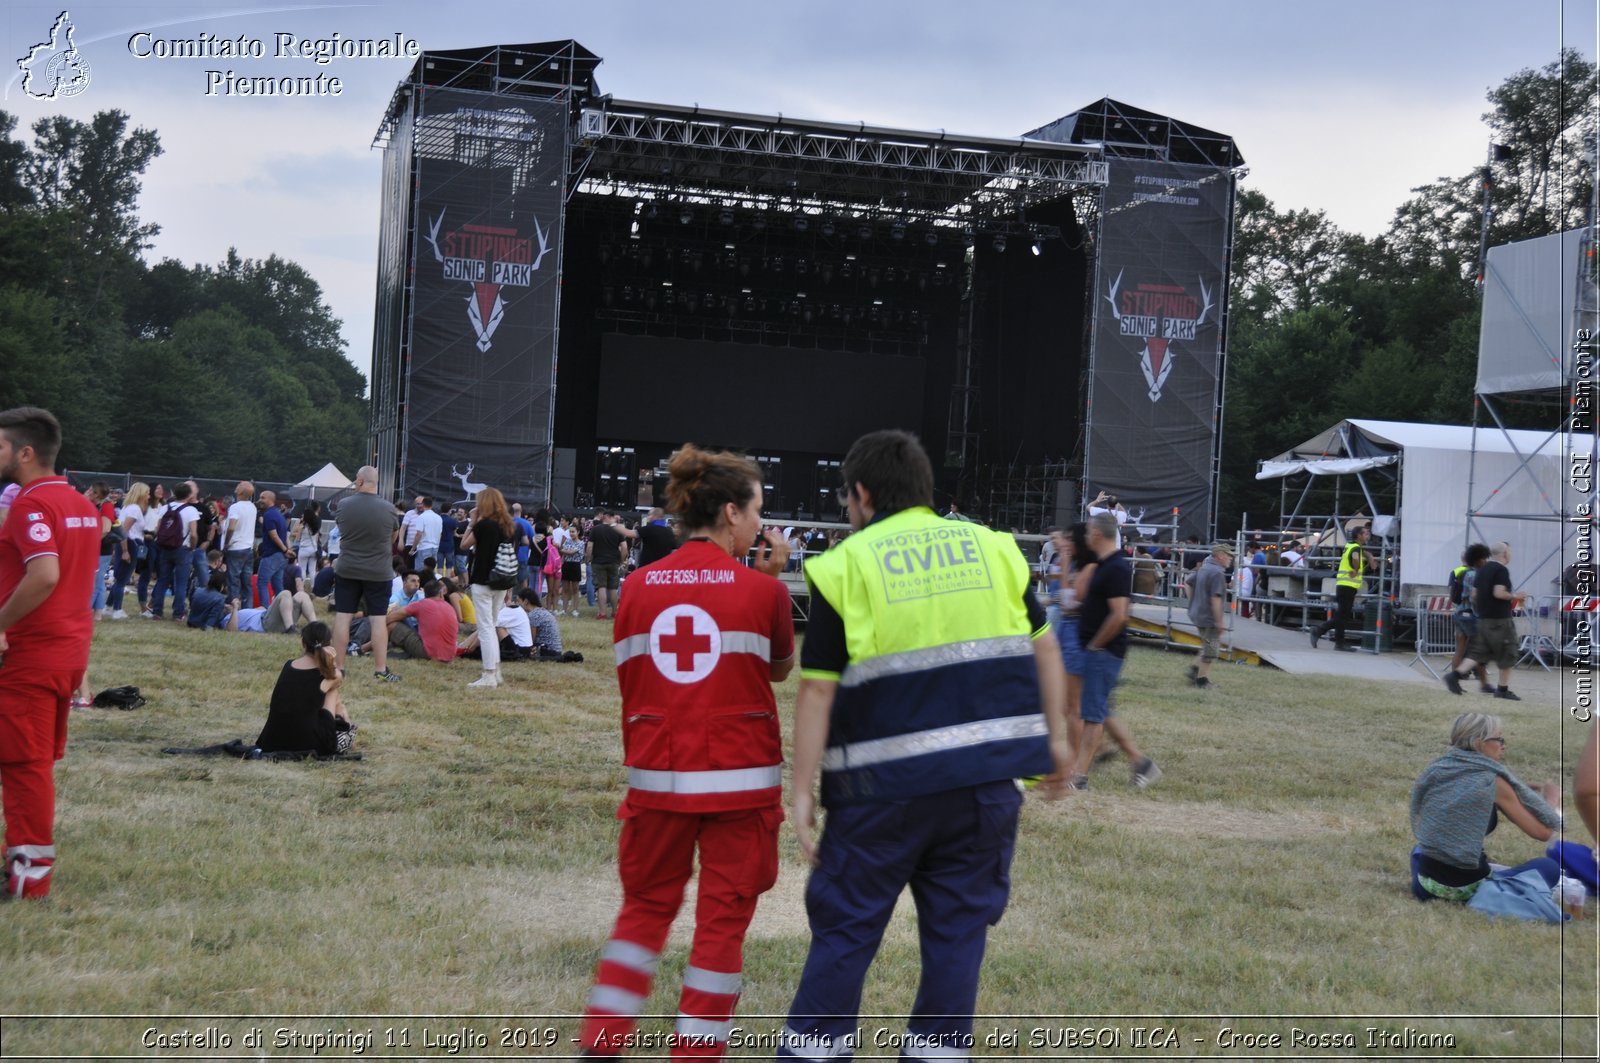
(1156, 355)
(480, 386)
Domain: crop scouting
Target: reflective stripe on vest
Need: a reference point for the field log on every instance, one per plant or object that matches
(732, 642)
(1352, 567)
(936, 657)
(733, 780)
(938, 740)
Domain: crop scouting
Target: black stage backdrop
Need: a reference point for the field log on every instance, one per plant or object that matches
(486, 252)
(742, 395)
(1157, 350)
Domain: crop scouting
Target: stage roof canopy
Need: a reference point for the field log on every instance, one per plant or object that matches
(736, 158)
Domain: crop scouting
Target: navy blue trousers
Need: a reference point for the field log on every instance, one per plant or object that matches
(954, 850)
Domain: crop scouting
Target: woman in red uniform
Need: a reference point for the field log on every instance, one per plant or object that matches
(700, 639)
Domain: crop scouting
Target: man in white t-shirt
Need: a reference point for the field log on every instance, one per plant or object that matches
(511, 627)
(239, 538)
(513, 623)
(426, 528)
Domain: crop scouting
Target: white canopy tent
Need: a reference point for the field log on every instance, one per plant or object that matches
(1512, 483)
(323, 483)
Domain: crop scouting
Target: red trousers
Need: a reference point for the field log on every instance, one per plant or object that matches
(738, 863)
(34, 704)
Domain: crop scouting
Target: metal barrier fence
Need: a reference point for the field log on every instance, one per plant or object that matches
(1436, 629)
(1548, 628)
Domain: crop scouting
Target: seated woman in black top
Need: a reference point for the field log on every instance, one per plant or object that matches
(306, 711)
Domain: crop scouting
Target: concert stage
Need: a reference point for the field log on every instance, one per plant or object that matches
(571, 286)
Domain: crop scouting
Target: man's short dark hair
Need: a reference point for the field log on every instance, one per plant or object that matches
(29, 426)
(432, 589)
(182, 491)
(427, 501)
(1475, 555)
(893, 467)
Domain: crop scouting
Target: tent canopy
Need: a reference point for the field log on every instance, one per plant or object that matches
(1517, 481)
(326, 478)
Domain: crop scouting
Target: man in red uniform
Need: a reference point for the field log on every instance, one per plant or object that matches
(700, 639)
(48, 553)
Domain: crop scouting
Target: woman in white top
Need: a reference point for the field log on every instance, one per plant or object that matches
(152, 517)
(128, 554)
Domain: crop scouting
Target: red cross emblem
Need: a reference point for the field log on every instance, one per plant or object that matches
(685, 643)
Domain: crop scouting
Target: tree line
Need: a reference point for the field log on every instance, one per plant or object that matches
(1327, 325)
(205, 370)
(238, 368)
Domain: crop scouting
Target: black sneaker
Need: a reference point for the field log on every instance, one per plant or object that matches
(1194, 671)
(1203, 683)
(1315, 638)
(1487, 689)
(1342, 648)
(1452, 682)
(1506, 695)
(388, 675)
(1078, 783)
(1145, 773)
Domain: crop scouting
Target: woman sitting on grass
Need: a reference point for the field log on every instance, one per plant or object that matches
(1457, 802)
(306, 711)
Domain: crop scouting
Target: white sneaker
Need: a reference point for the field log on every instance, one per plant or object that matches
(488, 679)
(118, 614)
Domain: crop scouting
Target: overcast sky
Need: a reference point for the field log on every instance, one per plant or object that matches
(1340, 107)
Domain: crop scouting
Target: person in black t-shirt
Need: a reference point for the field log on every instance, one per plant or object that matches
(1496, 637)
(605, 559)
(656, 539)
(1103, 633)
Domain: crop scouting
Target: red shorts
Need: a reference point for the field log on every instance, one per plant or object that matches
(34, 705)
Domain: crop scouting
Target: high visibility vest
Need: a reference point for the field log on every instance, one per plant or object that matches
(940, 690)
(695, 637)
(1352, 566)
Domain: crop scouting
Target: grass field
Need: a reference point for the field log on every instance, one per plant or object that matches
(453, 889)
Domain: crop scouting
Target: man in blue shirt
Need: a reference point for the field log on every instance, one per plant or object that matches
(274, 547)
(524, 537)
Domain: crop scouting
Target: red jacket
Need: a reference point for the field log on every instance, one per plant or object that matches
(695, 637)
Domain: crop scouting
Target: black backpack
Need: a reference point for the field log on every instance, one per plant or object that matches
(169, 532)
(119, 698)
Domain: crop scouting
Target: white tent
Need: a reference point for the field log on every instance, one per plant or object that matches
(327, 480)
(1517, 479)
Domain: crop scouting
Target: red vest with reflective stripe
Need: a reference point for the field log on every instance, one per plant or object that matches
(695, 637)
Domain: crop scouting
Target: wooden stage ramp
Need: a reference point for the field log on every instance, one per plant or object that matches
(1256, 643)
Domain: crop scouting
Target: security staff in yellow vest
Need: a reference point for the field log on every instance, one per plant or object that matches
(1352, 573)
(931, 681)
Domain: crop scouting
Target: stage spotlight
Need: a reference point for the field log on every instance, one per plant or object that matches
(897, 231)
(1000, 244)
(726, 217)
(650, 212)
(686, 215)
(827, 227)
(932, 238)
(1038, 248)
(801, 223)
(864, 231)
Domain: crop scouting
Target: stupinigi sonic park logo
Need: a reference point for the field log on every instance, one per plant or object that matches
(55, 68)
(489, 258)
(1160, 315)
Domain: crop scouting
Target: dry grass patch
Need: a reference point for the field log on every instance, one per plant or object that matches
(467, 864)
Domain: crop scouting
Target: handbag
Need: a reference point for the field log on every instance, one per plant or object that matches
(504, 574)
